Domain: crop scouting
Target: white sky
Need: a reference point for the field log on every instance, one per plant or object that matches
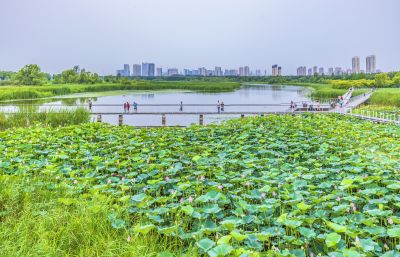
(102, 35)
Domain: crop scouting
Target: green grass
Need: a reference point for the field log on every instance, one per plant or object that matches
(34, 92)
(326, 91)
(386, 97)
(30, 116)
(36, 219)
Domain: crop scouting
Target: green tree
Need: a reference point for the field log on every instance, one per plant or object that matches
(70, 76)
(381, 80)
(30, 75)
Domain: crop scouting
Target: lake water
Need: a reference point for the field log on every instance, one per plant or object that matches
(279, 96)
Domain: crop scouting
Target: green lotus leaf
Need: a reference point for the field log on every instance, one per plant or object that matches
(351, 253)
(238, 236)
(205, 244)
(138, 198)
(332, 239)
(303, 207)
(213, 208)
(224, 240)
(368, 245)
(220, 250)
(143, 229)
(188, 209)
(336, 227)
(196, 158)
(394, 232)
(307, 232)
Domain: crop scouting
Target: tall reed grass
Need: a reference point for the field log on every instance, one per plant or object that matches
(39, 218)
(387, 97)
(34, 92)
(27, 117)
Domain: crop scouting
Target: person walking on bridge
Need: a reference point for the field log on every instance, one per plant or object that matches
(181, 107)
(128, 106)
(222, 106)
(218, 107)
(125, 107)
(90, 104)
(135, 106)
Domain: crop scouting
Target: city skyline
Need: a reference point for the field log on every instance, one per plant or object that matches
(61, 36)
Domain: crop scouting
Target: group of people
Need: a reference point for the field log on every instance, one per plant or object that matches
(220, 106)
(127, 106)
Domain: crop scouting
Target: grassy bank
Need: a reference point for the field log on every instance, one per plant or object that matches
(278, 186)
(28, 117)
(386, 96)
(41, 217)
(34, 92)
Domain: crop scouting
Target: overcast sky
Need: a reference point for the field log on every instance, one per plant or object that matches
(102, 35)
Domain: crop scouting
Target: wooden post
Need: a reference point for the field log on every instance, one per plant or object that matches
(242, 116)
(99, 118)
(120, 119)
(201, 123)
(163, 120)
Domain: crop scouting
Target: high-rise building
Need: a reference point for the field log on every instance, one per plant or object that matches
(241, 71)
(202, 71)
(218, 71)
(310, 72)
(338, 71)
(371, 64)
(315, 70)
(159, 72)
(330, 71)
(126, 72)
(279, 71)
(246, 71)
(275, 70)
(355, 64)
(302, 71)
(258, 73)
(321, 71)
(136, 70)
(148, 69)
(172, 72)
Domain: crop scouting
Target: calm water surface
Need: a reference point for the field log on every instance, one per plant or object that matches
(280, 96)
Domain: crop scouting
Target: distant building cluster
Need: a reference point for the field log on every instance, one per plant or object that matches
(149, 70)
(370, 66)
(276, 70)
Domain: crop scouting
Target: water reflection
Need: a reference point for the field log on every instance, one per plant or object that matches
(279, 96)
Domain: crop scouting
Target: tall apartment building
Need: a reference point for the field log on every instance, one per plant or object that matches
(159, 72)
(246, 71)
(315, 70)
(279, 71)
(126, 72)
(371, 64)
(355, 64)
(302, 71)
(172, 72)
(338, 71)
(275, 70)
(136, 70)
(321, 71)
(331, 71)
(218, 71)
(202, 71)
(310, 72)
(148, 69)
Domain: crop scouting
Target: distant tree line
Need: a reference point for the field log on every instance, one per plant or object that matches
(31, 74)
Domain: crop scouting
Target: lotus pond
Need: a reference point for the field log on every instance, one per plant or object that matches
(304, 185)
